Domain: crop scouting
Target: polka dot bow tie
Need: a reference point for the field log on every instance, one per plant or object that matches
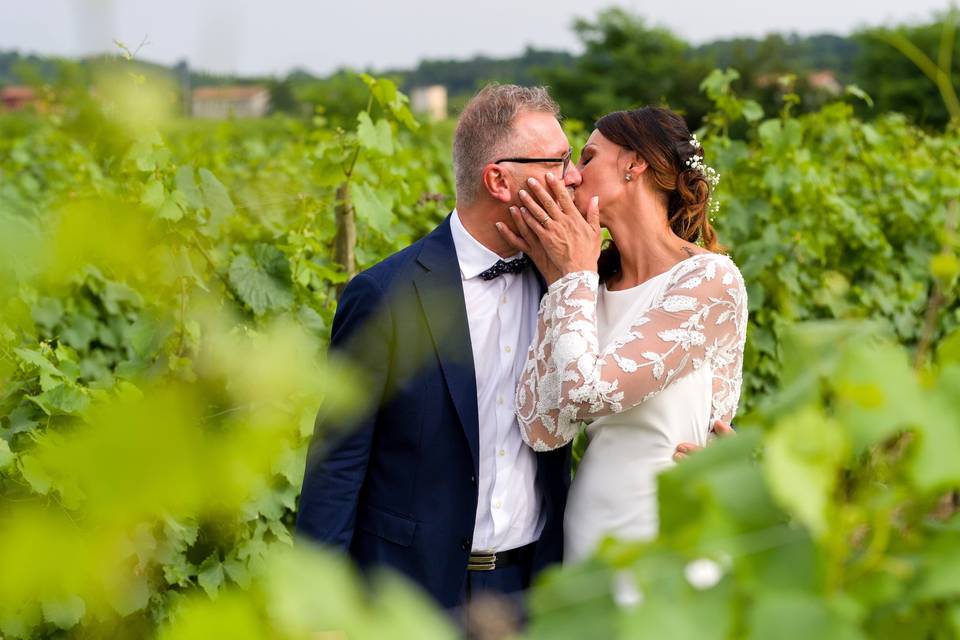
(516, 265)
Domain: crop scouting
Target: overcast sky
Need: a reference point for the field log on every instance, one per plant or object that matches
(274, 36)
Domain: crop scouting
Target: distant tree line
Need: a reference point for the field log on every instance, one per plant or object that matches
(627, 62)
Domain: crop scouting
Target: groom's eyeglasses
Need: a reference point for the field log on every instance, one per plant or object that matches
(565, 160)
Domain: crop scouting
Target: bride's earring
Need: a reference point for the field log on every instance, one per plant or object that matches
(629, 177)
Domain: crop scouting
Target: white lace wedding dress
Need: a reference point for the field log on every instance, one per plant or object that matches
(651, 366)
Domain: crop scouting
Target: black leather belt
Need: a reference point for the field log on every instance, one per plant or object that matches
(490, 560)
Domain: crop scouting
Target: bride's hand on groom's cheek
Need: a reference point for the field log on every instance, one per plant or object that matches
(528, 242)
(571, 239)
(720, 428)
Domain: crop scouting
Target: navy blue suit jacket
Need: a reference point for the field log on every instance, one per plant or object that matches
(397, 484)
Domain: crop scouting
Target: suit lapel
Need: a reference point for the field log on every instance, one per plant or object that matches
(440, 291)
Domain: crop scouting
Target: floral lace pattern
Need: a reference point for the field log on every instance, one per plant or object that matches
(700, 319)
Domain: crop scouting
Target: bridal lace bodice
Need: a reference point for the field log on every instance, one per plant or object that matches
(700, 319)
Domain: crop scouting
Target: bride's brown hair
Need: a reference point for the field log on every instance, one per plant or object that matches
(661, 138)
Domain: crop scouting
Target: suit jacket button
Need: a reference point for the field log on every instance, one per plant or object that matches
(473, 479)
(466, 544)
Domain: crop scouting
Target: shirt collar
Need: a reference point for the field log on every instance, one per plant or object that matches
(474, 258)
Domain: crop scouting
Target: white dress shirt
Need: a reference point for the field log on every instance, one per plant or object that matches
(502, 314)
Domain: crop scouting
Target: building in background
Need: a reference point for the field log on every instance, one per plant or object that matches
(217, 103)
(430, 101)
(15, 98)
(825, 81)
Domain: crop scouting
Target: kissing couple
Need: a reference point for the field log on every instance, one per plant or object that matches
(487, 343)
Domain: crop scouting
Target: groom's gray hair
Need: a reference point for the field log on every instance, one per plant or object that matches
(485, 129)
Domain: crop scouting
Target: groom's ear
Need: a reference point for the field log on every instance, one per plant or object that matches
(497, 182)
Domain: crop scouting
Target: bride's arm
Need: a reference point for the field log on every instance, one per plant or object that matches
(567, 378)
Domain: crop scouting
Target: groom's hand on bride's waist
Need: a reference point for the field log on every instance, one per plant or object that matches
(720, 428)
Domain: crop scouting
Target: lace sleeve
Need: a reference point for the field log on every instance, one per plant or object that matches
(701, 318)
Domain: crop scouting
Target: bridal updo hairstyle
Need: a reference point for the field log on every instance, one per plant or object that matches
(661, 138)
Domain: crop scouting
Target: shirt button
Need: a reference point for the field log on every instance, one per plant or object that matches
(497, 504)
(499, 399)
(507, 348)
(503, 300)
(503, 452)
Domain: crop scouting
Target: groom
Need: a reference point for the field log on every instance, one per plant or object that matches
(433, 479)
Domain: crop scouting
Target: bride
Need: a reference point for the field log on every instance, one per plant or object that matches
(644, 339)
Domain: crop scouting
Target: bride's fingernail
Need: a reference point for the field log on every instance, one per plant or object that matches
(522, 193)
(498, 226)
(549, 176)
(531, 181)
(523, 210)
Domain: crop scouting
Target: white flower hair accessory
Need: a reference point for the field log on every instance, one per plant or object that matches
(696, 163)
